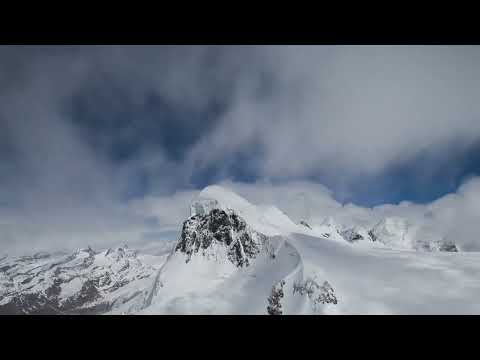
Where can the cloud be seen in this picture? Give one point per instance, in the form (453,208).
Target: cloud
(352,110)
(295,111)
(83,129)
(453,216)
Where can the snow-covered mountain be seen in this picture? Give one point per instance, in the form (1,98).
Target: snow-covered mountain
(84,282)
(397,232)
(234,257)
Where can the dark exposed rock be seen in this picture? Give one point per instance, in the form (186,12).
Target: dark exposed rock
(448,246)
(26,281)
(54,290)
(318,294)
(352,235)
(357,237)
(6,268)
(33,304)
(274,300)
(442,245)
(221,227)
(305,224)
(38,304)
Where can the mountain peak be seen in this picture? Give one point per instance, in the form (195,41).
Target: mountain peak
(267,220)
(203,233)
(224,197)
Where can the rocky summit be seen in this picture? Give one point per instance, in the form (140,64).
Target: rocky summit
(220,228)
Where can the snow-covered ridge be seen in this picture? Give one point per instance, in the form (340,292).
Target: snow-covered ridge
(83,282)
(234,257)
(390,232)
(397,232)
(268,220)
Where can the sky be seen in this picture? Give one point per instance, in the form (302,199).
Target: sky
(92,138)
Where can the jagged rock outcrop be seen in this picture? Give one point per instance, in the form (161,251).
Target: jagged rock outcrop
(316,293)
(274,300)
(439,245)
(202,233)
(356,234)
(304,223)
(448,246)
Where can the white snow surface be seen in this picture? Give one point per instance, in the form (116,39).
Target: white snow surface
(388,276)
(367,277)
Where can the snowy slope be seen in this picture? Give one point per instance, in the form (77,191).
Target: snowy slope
(209,281)
(371,279)
(234,257)
(378,280)
(265,219)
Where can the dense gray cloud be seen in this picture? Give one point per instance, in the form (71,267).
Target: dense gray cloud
(354,109)
(68,114)
(339,109)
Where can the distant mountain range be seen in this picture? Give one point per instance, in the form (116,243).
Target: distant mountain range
(233,257)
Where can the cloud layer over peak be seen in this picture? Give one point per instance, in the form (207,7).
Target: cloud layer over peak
(85,129)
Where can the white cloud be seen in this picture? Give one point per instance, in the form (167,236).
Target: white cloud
(338,110)
(454,215)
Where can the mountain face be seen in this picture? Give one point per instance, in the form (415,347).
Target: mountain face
(229,258)
(201,233)
(234,257)
(393,231)
(304,223)
(84,282)
(396,232)
(356,234)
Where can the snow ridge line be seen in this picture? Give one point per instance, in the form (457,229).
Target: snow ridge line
(156,281)
(294,276)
